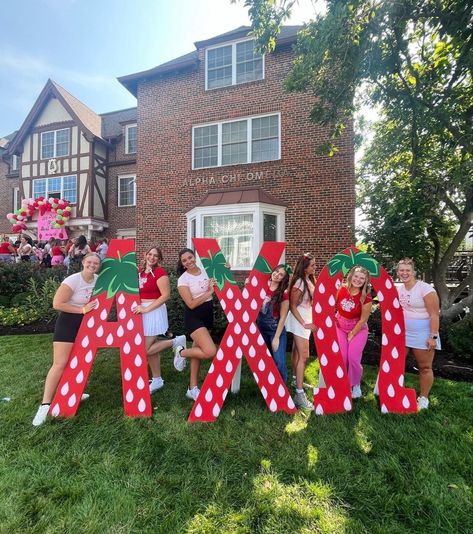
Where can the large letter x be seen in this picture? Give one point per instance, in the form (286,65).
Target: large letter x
(242,336)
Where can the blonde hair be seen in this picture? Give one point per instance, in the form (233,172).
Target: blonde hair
(407,261)
(366,286)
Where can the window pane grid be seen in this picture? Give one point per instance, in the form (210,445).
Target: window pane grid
(131,135)
(127,191)
(234,234)
(58,187)
(233,142)
(55,143)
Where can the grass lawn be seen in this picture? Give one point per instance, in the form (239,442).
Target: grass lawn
(250,472)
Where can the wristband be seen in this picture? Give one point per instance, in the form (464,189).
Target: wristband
(83,310)
(433,336)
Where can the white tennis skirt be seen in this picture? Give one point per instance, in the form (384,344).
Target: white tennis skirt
(417,333)
(294,326)
(155,323)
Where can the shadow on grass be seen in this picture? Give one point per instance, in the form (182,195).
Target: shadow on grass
(251,471)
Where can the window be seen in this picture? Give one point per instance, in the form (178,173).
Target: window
(127,190)
(16,198)
(239,229)
(14,162)
(233,64)
(130,138)
(249,140)
(58,187)
(55,144)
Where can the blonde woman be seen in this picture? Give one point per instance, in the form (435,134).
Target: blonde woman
(420,304)
(353,307)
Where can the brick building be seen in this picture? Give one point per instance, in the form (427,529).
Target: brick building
(218,149)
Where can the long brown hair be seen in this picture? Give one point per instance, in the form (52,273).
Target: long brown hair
(277,297)
(160,257)
(299,274)
(366,286)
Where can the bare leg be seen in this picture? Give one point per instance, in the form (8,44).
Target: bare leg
(424,359)
(153,348)
(203,347)
(194,372)
(302,346)
(61,353)
(294,358)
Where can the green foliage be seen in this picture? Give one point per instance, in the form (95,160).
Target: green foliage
(14,277)
(18,316)
(216,267)
(344,262)
(19,299)
(41,297)
(460,337)
(118,275)
(250,472)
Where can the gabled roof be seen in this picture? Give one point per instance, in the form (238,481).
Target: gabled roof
(89,120)
(287,35)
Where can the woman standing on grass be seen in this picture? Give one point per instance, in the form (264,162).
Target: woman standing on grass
(299,322)
(155,290)
(420,304)
(72,300)
(353,306)
(272,317)
(196,290)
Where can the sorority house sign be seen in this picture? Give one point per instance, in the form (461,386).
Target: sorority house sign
(236,178)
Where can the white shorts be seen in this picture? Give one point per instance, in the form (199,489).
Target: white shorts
(417,333)
(295,327)
(155,323)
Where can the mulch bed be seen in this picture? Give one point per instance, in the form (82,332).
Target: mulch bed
(446,364)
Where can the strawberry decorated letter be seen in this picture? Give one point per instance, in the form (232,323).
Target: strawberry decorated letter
(117,280)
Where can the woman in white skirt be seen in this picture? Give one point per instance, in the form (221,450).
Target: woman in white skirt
(420,304)
(155,290)
(299,322)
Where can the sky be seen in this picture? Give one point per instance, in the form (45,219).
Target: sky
(84,45)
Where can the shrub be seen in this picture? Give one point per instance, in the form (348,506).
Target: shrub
(14,277)
(40,298)
(18,316)
(460,337)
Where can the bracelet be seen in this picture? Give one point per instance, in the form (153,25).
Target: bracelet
(83,310)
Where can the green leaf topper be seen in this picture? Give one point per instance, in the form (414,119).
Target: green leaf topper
(344,262)
(215,266)
(118,275)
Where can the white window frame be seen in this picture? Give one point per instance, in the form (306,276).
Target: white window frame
(127,127)
(16,199)
(248,140)
(46,194)
(55,143)
(122,177)
(15,160)
(233,44)
(257,209)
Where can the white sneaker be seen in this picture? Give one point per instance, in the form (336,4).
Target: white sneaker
(193,393)
(179,340)
(155,384)
(356,392)
(302,402)
(84,397)
(41,414)
(422,403)
(179,361)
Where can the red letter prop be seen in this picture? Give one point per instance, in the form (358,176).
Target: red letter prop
(242,336)
(117,280)
(336,396)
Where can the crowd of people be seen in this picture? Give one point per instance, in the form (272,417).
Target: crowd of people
(51,253)
(287,307)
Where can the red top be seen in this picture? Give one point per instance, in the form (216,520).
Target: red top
(56,251)
(349,306)
(267,300)
(4,248)
(93,247)
(148,286)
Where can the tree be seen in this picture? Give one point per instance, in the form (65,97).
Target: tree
(413,59)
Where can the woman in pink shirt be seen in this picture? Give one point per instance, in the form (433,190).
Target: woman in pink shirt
(420,305)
